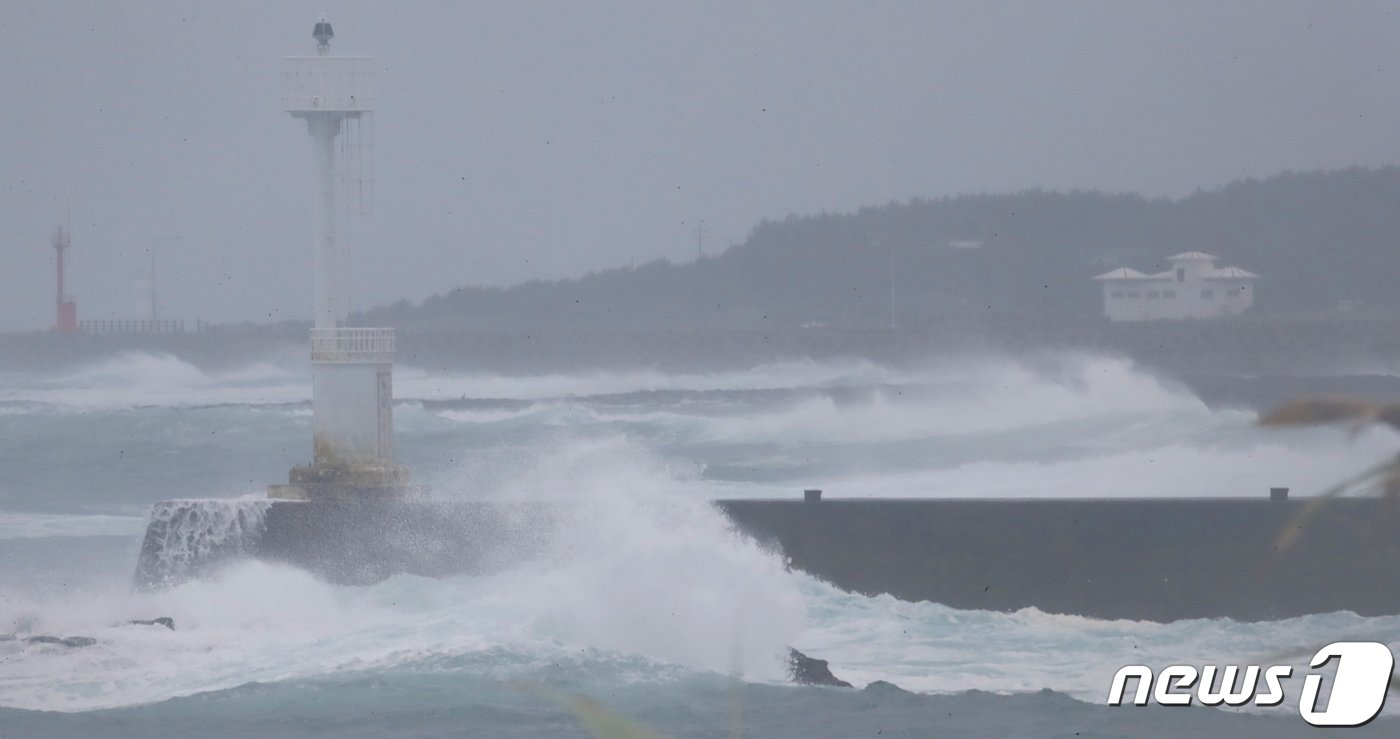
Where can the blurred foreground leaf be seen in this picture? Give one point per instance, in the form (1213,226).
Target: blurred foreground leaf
(1317,411)
(595,717)
(1383,478)
(1303,653)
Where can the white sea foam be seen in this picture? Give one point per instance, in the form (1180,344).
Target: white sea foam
(416,383)
(135,379)
(1174,470)
(641,566)
(1081,427)
(18,525)
(636,570)
(985,397)
(643,572)
(932,648)
(266,623)
(184,536)
(972,397)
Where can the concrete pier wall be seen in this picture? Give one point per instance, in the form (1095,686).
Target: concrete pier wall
(1159,560)
(363,541)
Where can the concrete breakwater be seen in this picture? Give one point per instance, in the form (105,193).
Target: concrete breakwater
(1150,559)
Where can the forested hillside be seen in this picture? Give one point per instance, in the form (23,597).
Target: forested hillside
(1316,238)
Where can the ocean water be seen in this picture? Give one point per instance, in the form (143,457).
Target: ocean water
(652,606)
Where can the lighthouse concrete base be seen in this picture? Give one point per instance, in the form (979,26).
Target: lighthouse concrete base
(368,479)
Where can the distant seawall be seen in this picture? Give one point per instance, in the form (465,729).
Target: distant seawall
(1159,560)
(1249,345)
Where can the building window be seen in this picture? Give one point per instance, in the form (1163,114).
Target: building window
(1180,274)
(1116,294)
(1134,293)
(1208,294)
(1153,294)
(1168,293)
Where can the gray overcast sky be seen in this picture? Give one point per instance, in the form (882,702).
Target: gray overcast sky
(521,139)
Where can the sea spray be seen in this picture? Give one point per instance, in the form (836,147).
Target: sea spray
(631,579)
(136,379)
(266,636)
(638,564)
(416,383)
(186,538)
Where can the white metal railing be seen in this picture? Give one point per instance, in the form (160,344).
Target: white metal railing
(352,345)
(132,326)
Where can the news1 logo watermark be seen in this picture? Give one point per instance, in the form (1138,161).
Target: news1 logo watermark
(1358,689)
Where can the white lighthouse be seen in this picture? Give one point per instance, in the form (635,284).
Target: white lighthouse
(352,385)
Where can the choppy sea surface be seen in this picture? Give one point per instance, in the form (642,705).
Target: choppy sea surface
(655,609)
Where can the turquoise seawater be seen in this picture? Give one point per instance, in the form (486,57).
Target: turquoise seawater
(654,608)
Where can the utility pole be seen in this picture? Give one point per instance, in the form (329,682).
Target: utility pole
(700,232)
(891,285)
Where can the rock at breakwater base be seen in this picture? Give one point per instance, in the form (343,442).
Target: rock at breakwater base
(165,621)
(62,641)
(805,670)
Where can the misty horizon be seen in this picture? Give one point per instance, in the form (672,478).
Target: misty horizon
(494,165)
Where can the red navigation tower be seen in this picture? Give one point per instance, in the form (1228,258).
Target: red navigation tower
(67,309)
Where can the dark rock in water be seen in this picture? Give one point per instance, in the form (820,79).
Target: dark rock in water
(66,641)
(165,621)
(805,670)
(880,686)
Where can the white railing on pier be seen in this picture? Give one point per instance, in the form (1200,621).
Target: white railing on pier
(352,345)
(132,326)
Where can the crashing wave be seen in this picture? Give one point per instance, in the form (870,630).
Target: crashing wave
(186,538)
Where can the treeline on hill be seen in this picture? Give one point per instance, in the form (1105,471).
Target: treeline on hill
(1318,239)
